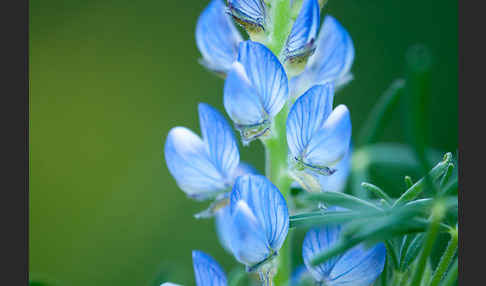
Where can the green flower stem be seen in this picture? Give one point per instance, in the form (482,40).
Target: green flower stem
(276,170)
(438,211)
(451,277)
(446,259)
(276,147)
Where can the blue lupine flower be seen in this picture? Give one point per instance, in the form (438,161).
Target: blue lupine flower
(337,181)
(251,14)
(207,271)
(318,136)
(300,42)
(217,37)
(331,61)
(359,266)
(255,90)
(258,220)
(169,284)
(203,168)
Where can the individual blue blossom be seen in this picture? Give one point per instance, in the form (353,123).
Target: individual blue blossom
(359,266)
(255,90)
(300,43)
(258,220)
(217,37)
(251,14)
(203,168)
(318,136)
(207,271)
(331,61)
(337,181)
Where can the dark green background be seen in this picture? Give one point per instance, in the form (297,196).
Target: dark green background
(108,81)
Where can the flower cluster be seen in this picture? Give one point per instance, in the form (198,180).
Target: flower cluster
(268,83)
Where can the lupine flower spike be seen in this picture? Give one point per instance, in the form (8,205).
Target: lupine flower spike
(257,223)
(251,15)
(359,266)
(318,136)
(255,90)
(300,43)
(331,61)
(217,38)
(203,168)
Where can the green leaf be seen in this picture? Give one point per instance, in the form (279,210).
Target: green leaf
(377,191)
(340,199)
(410,248)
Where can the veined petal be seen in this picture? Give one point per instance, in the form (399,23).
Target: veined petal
(220,141)
(307,116)
(250,14)
(241,99)
(316,241)
(337,181)
(267,204)
(331,143)
(266,74)
(332,59)
(359,266)
(247,236)
(206,270)
(217,37)
(300,41)
(188,162)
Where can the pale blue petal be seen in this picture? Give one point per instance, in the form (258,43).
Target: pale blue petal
(332,59)
(337,181)
(331,143)
(188,162)
(307,116)
(207,271)
(304,29)
(267,204)
(265,74)
(316,241)
(247,237)
(223,227)
(359,266)
(220,141)
(217,37)
(249,11)
(169,284)
(241,100)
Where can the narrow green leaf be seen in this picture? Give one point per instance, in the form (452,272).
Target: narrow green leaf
(410,249)
(377,191)
(408,182)
(446,259)
(451,277)
(340,199)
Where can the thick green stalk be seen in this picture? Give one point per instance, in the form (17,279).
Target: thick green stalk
(446,259)
(276,147)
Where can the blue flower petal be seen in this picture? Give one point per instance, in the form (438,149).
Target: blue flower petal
(245,169)
(331,142)
(203,168)
(316,241)
(249,13)
(360,266)
(217,37)
(169,284)
(304,30)
(307,116)
(337,181)
(247,238)
(266,74)
(218,135)
(331,61)
(206,270)
(223,227)
(189,164)
(241,100)
(255,90)
(267,204)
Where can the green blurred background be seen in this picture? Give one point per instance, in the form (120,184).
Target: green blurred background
(110,78)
